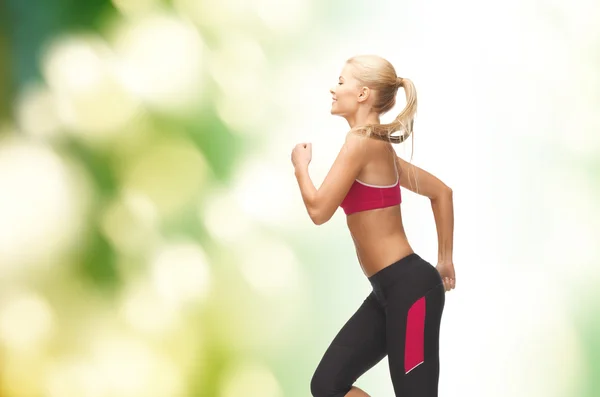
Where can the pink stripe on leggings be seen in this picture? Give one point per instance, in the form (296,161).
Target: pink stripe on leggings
(415,336)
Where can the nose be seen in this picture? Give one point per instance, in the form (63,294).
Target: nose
(332,91)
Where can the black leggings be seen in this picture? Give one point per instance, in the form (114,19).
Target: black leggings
(401,319)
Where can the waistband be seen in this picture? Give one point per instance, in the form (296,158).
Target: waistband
(387,276)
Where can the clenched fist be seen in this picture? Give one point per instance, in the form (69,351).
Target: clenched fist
(302,154)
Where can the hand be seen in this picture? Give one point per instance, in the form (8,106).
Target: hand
(446,271)
(302,154)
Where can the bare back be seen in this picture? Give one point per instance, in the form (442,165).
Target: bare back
(378,234)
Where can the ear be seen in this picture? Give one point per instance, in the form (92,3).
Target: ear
(364,94)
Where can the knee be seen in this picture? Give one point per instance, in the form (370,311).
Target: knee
(318,385)
(322,385)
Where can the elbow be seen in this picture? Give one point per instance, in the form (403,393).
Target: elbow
(318,217)
(448,192)
(318,222)
(314,215)
(444,193)
(317,212)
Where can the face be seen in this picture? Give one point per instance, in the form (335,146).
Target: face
(345,94)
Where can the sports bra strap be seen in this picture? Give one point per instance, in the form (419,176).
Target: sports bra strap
(396,168)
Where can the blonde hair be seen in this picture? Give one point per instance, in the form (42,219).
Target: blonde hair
(379,75)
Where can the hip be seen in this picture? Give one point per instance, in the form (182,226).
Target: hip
(407,278)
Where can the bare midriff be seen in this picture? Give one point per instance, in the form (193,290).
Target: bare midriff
(379,238)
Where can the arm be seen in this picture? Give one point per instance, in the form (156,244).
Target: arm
(322,203)
(421,182)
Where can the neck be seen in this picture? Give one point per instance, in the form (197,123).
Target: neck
(362,118)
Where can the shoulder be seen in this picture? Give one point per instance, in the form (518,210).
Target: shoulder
(354,151)
(356,144)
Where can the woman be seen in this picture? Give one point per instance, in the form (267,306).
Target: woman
(401,317)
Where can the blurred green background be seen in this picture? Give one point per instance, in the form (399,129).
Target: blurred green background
(153,241)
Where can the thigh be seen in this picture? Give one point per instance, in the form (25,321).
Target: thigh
(413,330)
(357,347)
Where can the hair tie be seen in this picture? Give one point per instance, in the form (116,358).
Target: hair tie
(400,82)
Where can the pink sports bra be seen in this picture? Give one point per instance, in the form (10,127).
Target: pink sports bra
(363,197)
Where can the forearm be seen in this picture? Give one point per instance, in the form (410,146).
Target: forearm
(443,213)
(307,189)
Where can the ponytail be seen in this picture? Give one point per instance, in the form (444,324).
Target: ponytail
(403,122)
